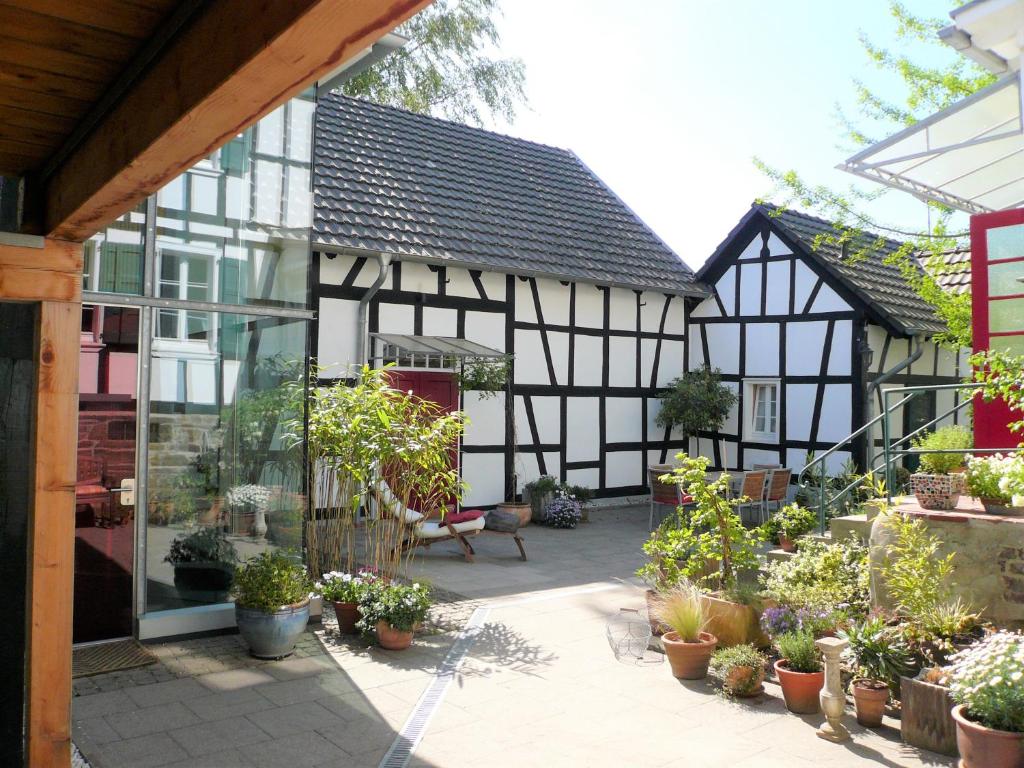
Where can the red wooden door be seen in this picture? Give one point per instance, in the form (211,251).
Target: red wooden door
(997,302)
(439,387)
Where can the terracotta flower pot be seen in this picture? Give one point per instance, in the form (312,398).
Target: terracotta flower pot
(744,682)
(999,507)
(689,661)
(392,639)
(938,491)
(348,614)
(982,747)
(787,544)
(524,511)
(869,700)
(800,689)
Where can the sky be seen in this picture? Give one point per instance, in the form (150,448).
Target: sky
(668,101)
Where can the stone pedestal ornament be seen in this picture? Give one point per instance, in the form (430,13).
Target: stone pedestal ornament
(832,697)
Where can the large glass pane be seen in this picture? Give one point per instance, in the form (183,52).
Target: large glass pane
(1006,315)
(249,204)
(1005,242)
(224,481)
(1006,279)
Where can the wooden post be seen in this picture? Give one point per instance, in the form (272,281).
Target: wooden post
(49,272)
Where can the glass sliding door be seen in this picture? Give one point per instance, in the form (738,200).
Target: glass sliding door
(225,455)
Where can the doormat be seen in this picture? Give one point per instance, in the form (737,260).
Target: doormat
(109,657)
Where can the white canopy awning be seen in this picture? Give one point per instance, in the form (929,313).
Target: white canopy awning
(969,156)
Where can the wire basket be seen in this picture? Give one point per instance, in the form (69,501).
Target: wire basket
(629,634)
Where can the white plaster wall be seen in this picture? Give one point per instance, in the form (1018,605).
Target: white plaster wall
(624,417)
(723,346)
(587,357)
(622,361)
(589,306)
(671,363)
(777,301)
(623,309)
(439,321)
(842,343)
(804,282)
(485,474)
(546,414)
(750,289)
(624,468)
(726,287)
(707,308)
(530,364)
(776,247)
(805,343)
(486,418)
(752,249)
(799,410)
(339,319)
(554,301)
(675,321)
(828,300)
(836,412)
(487,328)
(395,318)
(582,425)
(762,349)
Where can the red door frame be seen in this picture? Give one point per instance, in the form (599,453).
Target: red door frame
(990,419)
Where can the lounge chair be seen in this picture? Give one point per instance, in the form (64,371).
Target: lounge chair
(422,531)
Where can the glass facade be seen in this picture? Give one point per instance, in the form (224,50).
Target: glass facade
(223,291)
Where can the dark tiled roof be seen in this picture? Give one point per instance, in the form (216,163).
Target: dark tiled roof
(879,285)
(394,181)
(951,269)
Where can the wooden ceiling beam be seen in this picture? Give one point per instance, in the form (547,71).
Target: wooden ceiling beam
(231,66)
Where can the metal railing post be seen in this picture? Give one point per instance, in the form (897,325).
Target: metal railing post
(885,446)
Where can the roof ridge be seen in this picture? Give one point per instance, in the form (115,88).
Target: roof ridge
(337,95)
(769,206)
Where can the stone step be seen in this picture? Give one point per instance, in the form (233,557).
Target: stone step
(858,526)
(777,555)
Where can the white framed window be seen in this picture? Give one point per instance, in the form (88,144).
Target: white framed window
(184,275)
(761,406)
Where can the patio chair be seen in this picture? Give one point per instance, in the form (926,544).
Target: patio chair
(752,487)
(664,493)
(777,489)
(423,531)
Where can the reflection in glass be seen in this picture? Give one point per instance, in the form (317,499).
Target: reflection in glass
(1005,242)
(113,258)
(1006,315)
(223,485)
(1006,279)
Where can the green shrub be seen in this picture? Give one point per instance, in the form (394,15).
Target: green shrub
(822,577)
(725,660)
(791,521)
(915,576)
(205,545)
(946,438)
(695,402)
(270,581)
(878,652)
(799,651)
(400,605)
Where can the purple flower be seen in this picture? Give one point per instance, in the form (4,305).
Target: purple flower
(779,620)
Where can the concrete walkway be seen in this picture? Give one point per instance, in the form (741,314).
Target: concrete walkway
(539,685)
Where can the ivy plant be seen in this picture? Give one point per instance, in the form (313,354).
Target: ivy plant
(695,402)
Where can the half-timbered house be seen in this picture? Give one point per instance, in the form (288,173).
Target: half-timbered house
(429,232)
(809,333)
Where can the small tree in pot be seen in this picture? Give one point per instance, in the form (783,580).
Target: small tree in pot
(937,484)
(696,401)
(271,603)
(687,646)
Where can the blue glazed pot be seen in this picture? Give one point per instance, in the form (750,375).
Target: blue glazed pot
(272,635)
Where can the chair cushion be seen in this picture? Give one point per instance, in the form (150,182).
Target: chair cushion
(687,499)
(435,530)
(395,506)
(464,516)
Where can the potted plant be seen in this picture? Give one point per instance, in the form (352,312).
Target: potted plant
(204,565)
(248,504)
(878,657)
(937,484)
(740,668)
(800,673)
(788,524)
(687,646)
(584,496)
(987,682)
(393,611)
(344,591)
(990,480)
(538,494)
(926,711)
(563,511)
(714,549)
(272,594)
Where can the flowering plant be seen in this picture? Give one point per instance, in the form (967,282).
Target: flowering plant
(1011,484)
(341,587)
(564,511)
(402,606)
(784,620)
(256,495)
(985,474)
(988,679)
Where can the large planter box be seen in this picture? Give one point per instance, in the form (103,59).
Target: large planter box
(733,623)
(925,719)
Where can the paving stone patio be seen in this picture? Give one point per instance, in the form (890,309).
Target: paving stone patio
(539,686)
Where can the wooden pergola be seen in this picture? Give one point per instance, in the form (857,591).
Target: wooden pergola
(101,104)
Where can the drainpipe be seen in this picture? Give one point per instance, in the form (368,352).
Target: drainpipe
(363,342)
(912,358)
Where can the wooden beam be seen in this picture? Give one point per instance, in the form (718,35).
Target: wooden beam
(50,270)
(231,66)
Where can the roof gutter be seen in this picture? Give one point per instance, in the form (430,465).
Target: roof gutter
(363,342)
(962,42)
